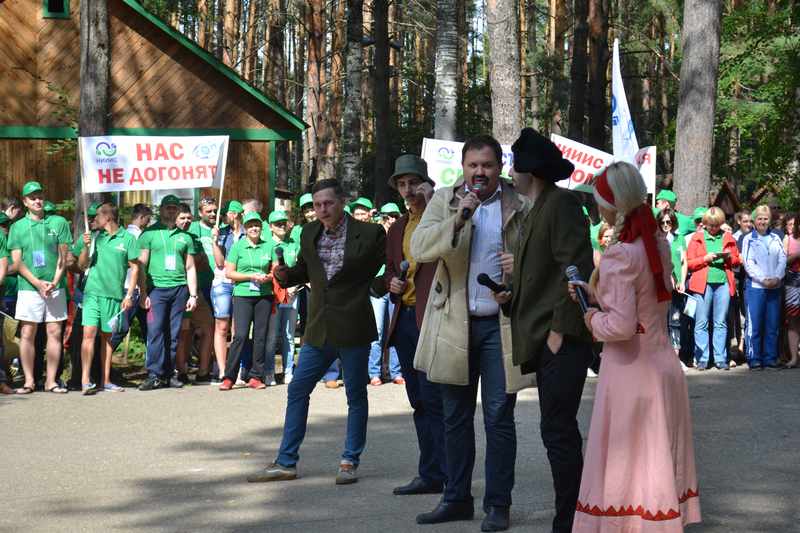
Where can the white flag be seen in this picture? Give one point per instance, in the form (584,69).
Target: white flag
(625,144)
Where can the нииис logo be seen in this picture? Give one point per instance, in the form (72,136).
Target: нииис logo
(105,149)
(206,151)
(446,153)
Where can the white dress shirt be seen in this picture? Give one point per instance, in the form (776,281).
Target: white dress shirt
(484,257)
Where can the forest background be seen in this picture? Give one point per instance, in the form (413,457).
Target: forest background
(372,78)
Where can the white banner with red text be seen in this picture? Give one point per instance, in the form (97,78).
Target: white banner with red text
(140,163)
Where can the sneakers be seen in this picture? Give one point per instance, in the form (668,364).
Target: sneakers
(88,389)
(269,381)
(175,382)
(227,384)
(590,373)
(183,378)
(273,472)
(375,382)
(151,383)
(347,474)
(111,387)
(256,384)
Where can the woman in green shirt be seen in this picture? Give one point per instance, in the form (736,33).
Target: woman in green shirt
(248,266)
(668,223)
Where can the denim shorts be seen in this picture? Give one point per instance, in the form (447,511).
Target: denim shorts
(221,300)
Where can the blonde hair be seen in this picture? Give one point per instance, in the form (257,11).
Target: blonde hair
(762,210)
(629,191)
(714,216)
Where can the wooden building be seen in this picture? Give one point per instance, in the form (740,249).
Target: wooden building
(160,83)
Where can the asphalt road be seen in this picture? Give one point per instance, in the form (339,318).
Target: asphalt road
(176,460)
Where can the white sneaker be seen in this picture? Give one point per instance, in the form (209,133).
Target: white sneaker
(287,378)
(684,368)
(590,373)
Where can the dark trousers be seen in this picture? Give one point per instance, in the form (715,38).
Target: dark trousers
(458,403)
(560,380)
(255,310)
(163,329)
(134,312)
(425,399)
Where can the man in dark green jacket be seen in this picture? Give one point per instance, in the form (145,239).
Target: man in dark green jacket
(340,257)
(549,336)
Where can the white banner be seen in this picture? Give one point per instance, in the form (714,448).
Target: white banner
(444,162)
(624,136)
(132,163)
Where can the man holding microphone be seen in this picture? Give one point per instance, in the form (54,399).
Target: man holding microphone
(467,229)
(409,290)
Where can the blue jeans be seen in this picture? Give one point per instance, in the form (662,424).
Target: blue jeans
(458,403)
(425,399)
(763,323)
(281,336)
(382,307)
(712,305)
(311,366)
(163,329)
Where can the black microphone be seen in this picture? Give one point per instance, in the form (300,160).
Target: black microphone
(466,213)
(403,269)
(279,256)
(489,283)
(573,274)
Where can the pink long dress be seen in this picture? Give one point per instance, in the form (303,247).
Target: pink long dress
(639,471)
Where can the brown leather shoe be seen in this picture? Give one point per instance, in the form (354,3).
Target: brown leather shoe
(332,384)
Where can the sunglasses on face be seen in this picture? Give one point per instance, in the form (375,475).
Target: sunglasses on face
(666,222)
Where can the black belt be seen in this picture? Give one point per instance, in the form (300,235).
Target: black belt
(481,318)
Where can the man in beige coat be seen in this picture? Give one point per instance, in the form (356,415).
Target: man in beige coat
(469,229)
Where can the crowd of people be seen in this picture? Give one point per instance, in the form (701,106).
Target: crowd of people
(201,291)
(378,295)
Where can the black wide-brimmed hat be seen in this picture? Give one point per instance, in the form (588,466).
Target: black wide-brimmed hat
(536,154)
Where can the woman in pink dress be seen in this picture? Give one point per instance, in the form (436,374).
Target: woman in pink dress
(639,470)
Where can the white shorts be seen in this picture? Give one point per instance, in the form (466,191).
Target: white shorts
(31,307)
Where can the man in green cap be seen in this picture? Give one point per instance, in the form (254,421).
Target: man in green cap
(39,247)
(169,279)
(389,214)
(361,209)
(284,320)
(666,199)
(106,259)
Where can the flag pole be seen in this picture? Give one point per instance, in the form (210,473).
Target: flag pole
(83,187)
(222,168)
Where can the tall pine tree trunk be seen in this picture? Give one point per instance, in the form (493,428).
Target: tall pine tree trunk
(694,136)
(351,124)
(275,78)
(299,59)
(202,23)
(532,79)
(578,70)
(229,25)
(93,114)
(383,128)
(250,54)
(598,61)
(502,21)
(446,87)
(315,96)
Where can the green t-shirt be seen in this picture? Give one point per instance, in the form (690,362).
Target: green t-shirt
(109,264)
(39,241)
(297,230)
(202,236)
(251,258)
(291,251)
(168,250)
(716,270)
(677,247)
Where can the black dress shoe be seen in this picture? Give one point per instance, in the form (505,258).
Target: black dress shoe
(448,512)
(418,486)
(497,519)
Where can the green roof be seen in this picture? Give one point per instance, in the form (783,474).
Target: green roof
(218,65)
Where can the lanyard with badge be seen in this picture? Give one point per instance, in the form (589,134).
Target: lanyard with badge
(38,255)
(170,259)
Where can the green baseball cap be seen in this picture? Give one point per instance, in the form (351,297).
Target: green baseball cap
(348,209)
(250,216)
(698,213)
(667,195)
(235,206)
(49,207)
(305,200)
(365,203)
(4,218)
(169,199)
(277,216)
(92,211)
(31,187)
(390,209)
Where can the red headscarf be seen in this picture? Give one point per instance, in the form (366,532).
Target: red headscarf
(639,223)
